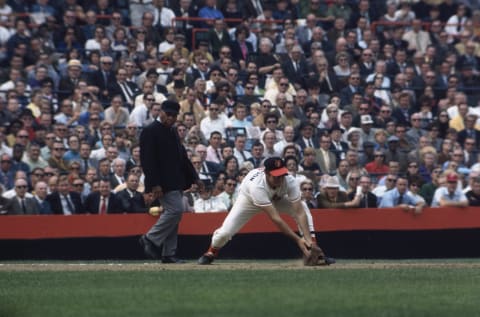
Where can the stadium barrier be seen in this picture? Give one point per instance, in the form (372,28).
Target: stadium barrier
(124,225)
(354,233)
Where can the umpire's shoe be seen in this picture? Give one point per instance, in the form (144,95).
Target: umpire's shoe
(149,248)
(207,258)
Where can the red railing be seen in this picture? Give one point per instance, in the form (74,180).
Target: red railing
(81,226)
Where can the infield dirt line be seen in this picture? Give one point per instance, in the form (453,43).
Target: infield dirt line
(230,265)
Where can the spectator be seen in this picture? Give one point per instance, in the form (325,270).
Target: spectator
(118,176)
(334,198)
(400,197)
(116,113)
(41,192)
(62,200)
(414,184)
(230,166)
(20,204)
(207,202)
(130,199)
(214,121)
(378,167)
(104,201)
(428,188)
(473,195)
(214,150)
(257,154)
(308,193)
(229,195)
(450,195)
(367,198)
(32,158)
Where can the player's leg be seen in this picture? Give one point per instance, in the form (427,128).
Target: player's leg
(241,212)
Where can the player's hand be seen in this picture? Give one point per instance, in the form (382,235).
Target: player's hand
(304,246)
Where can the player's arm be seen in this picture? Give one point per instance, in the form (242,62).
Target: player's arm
(302,221)
(285,228)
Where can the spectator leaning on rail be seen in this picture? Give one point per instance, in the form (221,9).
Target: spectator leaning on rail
(400,197)
(450,195)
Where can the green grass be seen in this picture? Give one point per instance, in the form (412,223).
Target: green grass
(292,293)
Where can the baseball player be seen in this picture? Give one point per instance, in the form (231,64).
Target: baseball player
(271,190)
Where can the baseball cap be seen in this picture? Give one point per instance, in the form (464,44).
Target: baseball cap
(393,139)
(366,119)
(275,166)
(170,106)
(452,177)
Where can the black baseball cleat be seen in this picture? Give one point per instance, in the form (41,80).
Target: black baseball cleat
(329,260)
(149,248)
(172,260)
(206,259)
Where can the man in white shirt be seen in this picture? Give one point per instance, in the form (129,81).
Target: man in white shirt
(450,195)
(141,113)
(271,190)
(214,121)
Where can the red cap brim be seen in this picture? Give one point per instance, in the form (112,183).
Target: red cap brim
(279,172)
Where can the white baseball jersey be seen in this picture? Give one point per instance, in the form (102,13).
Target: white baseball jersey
(257,190)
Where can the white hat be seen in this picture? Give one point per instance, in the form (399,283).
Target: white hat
(332,182)
(353,130)
(366,119)
(74,63)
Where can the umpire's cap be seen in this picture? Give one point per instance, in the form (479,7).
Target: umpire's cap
(275,166)
(170,106)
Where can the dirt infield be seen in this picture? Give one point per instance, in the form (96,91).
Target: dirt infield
(231,265)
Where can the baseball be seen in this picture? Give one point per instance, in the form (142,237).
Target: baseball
(155,211)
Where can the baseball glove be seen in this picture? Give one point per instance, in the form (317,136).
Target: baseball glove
(315,258)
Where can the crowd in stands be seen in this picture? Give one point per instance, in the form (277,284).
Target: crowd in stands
(370,103)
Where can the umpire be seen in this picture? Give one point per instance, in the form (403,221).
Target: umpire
(168,172)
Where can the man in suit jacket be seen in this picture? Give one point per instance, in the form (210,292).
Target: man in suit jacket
(127,89)
(63,201)
(218,36)
(307,137)
(103,201)
(85,161)
(68,83)
(103,78)
(208,170)
(326,159)
(353,86)
(168,172)
(118,175)
(40,195)
(131,201)
(368,199)
(402,113)
(469,131)
(337,146)
(295,67)
(20,204)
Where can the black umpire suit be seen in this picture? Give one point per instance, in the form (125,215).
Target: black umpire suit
(168,172)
